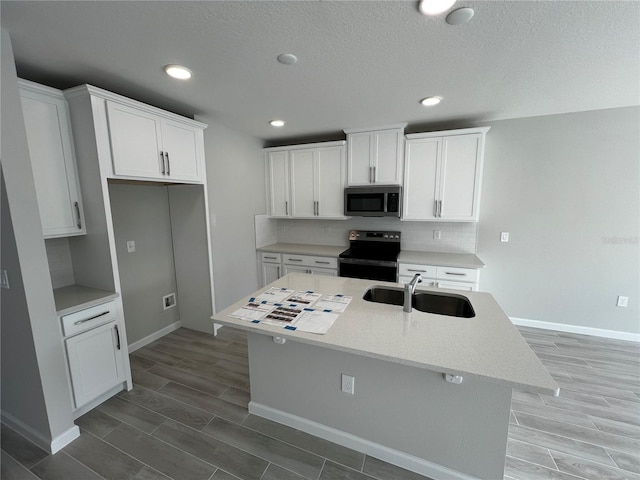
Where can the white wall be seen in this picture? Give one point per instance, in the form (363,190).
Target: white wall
(566,187)
(235,176)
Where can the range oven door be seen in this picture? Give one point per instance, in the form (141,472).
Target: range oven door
(368,269)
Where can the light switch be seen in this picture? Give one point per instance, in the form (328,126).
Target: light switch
(131,246)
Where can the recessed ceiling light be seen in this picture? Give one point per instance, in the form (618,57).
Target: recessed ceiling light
(287,58)
(430,101)
(435,7)
(178,71)
(277,123)
(460,16)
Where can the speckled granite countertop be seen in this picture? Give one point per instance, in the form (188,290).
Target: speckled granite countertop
(74,298)
(487,346)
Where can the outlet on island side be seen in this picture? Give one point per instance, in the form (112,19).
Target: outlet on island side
(348,384)
(622,301)
(169,301)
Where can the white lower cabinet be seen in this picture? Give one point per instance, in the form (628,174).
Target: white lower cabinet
(94,352)
(276,265)
(455,278)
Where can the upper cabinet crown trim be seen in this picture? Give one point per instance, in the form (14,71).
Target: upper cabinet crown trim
(338,143)
(447,133)
(107,95)
(395,126)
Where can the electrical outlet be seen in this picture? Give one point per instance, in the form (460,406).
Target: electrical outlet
(169,301)
(504,237)
(131,246)
(348,383)
(622,301)
(437,234)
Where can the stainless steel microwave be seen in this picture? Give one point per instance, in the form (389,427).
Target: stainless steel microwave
(373,201)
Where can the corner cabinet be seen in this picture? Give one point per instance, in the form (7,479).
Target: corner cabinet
(306,181)
(51,149)
(442,175)
(375,157)
(147,143)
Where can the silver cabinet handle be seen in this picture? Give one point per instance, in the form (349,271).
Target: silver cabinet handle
(162,162)
(374,174)
(294,259)
(435,208)
(440,209)
(117,337)
(415,270)
(370,174)
(80,322)
(321,263)
(79,224)
(166,155)
(271,258)
(456,273)
(286,208)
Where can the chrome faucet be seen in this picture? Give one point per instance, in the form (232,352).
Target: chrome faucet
(409,289)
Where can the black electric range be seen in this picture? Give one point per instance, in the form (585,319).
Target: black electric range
(372,255)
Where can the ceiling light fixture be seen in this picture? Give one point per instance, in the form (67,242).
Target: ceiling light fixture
(430,101)
(287,58)
(277,123)
(460,16)
(435,7)
(178,71)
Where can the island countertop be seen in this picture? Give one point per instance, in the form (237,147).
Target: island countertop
(487,346)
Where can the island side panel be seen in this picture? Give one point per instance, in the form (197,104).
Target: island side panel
(412,410)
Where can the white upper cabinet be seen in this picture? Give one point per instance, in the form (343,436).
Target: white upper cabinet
(51,149)
(306,181)
(442,175)
(147,145)
(375,156)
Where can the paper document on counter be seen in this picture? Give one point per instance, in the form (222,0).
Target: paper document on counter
(336,303)
(315,321)
(274,295)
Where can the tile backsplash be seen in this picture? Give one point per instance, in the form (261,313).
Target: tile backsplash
(454,237)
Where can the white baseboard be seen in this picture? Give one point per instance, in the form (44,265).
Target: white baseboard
(48,445)
(395,457)
(563,327)
(154,336)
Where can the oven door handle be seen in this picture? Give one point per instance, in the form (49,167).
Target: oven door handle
(362,261)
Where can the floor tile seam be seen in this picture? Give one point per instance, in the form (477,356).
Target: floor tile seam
(255,454)
(139,406)
(22,464)
(615,450)
(632,407)
(599,415)
(199,376)
(351,469)
(554,410)
(227,387)
(594,354)
(85,431)
(574,386)
(364,455)
(615,465)
(81,463)
(595,428)
(189,404)
(570,475)
(631,436)
(572,439)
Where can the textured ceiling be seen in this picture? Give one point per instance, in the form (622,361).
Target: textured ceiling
(361,63)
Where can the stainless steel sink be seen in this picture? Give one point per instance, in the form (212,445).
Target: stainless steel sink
(441,303)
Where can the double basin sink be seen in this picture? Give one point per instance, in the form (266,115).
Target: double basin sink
(440,303)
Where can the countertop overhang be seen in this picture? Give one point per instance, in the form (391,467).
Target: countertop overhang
(487,346)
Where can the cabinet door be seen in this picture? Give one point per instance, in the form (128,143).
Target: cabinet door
(330,182)
(136,144)
(95,362)
(180,145)
(51,151)
(360,158)
(460,177)
(388,157)
(295,268)
(328,272)
(278,183)
(421,175)
(270,272)
(468,287)
(302,183)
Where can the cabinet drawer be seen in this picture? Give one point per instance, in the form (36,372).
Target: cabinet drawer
(295,259)
(323,262)
(457,274)
(410,269)
(89,318)
(271,257)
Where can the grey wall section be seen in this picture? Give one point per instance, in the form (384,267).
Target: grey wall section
(141,213)
(235,176)
(462,427)
(29,323)
(566,187)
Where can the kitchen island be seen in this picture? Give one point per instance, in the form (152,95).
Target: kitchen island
(402,409)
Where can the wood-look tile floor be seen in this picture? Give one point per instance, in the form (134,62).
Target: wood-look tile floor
(187,418)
